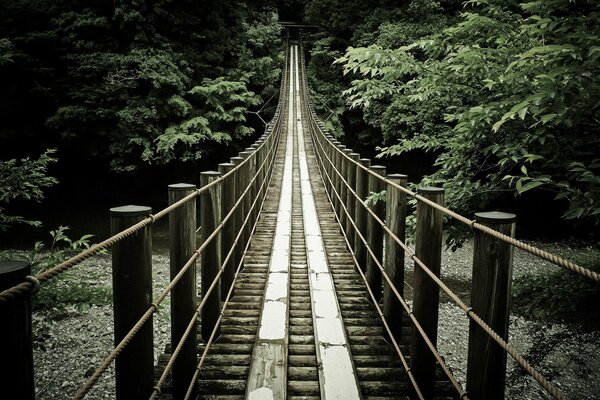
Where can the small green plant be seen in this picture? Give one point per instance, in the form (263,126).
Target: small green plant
(66,289)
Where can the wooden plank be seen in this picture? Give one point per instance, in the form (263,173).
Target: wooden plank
(268,371)
(337,377)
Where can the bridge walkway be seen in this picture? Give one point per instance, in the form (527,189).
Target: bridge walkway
(251,360)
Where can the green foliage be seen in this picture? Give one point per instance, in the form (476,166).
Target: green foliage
(61,291)
(117,79)
(506,97)
(6,51)
(24,179)
(550,296)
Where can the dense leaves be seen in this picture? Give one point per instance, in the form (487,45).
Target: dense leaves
(506,96)
(124,80)
(23,179)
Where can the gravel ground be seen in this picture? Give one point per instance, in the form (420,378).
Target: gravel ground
(76,340)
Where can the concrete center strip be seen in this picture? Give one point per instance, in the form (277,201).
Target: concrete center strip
(267,379)
(337,375)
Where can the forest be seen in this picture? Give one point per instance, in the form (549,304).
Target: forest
(495,100)
(116,93)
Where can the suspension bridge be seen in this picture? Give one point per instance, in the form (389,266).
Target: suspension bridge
(301,292)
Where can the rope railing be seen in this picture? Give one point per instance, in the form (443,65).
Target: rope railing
(261,172)
(215,281)
(32,283)
(224,307)
(405,305)
(28,286)
(553,258)
(549,387)
(156,303)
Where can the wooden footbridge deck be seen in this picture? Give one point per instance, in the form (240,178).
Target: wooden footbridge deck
(301,282)
(300,325)
(318,336)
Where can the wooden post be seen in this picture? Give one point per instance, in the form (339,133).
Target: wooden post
(260,158)
(255,185)
(360,214)
(395,219)
(426,293)
(247,176)
(375,232)
(490,299)
(239,213)
(350,199)
(182,244)
(338,179)
(210,210)
(332,174)
(228,235)
(132,296)
(344,166)
(16,351)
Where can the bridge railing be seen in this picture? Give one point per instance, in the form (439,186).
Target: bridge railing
(375,235)
(230,202)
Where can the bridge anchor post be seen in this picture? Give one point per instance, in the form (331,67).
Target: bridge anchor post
(490,299)
(132,297)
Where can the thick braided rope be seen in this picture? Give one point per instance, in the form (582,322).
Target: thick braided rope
(92,380)
(553,258)
(25,287)
(505,345)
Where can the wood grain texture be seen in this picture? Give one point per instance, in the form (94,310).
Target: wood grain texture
(426,293)
(182,245)
(490,299)
(395,218)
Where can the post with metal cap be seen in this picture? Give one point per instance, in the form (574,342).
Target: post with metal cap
(426,293)
(16,351)
(395,219)
(210,217)
(490,299)
(132,297)
(375,232)
(360,214)
(350,198)
(182,245)
(229,233)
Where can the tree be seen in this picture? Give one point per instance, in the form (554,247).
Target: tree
(506,97)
